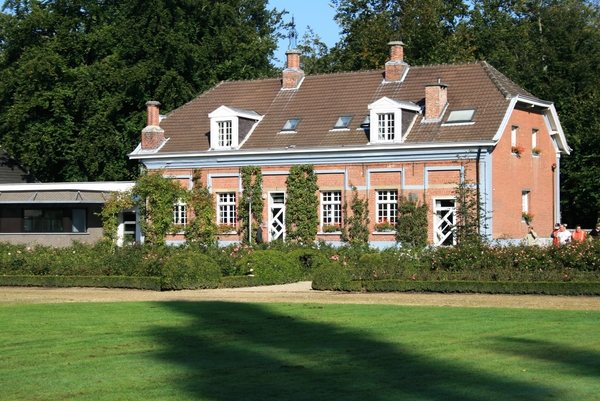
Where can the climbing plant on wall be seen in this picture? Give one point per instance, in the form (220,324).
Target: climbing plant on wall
(356,225)
(302,207)
(201,228)
(252,188)
(118,202)
(411,225)
(155,196)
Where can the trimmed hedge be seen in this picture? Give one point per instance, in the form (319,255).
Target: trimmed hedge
(485,287)
(142,283)
(270,267)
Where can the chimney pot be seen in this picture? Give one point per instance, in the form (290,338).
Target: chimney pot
(436,98)
(395,68)
(152,136)
(292,74)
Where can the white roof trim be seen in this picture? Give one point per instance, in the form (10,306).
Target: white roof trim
(101,186)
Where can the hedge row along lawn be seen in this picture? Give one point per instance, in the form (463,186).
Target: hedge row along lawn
(235,351)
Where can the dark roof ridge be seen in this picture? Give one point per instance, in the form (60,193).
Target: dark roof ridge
(445,64)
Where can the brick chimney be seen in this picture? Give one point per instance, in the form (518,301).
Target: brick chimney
(395,68)
(293,74)
(152,136)
(436,98)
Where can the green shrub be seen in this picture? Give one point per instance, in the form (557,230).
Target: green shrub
(190,270)
(333,276)
(308,259)
(271,267)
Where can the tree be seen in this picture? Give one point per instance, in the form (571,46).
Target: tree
(201,228)
(356,226)
(76,73)
(251,195)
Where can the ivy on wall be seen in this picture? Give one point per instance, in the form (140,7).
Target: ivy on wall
(302,206)
(252,188)
(155,196)
(201,228)
(118,202)
(356,227)
(412,222)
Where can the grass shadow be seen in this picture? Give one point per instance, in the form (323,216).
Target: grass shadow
(233,351)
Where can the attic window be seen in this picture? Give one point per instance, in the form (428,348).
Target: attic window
(343,122)
(460,116)
(366,122)
(291,124)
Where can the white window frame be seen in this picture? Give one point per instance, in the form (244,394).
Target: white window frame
(386,201)
(225,133)
(331,208)
(534,133)
(525,199)
(513,135)
(386,129)
(180,213)
(227,209)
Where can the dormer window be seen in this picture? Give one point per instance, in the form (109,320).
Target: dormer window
(225,133)
(291,124)
(230,127)
(343,122)
(385,127)
(389,115)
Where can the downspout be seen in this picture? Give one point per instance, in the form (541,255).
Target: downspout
(478,191)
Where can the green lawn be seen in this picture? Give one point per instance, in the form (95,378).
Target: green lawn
(230,351)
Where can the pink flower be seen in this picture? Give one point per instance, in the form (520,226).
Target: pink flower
(413,277)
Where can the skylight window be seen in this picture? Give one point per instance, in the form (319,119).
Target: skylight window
(291,124)
(366,122)
(343,122)
(461,116)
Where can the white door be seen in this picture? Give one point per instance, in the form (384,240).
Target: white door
(276,216)
(444,222)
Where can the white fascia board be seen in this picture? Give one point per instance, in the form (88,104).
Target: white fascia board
(267,153)
(504,123)
(225,111)
(101,186)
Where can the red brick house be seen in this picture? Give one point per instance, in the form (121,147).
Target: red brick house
(389,133)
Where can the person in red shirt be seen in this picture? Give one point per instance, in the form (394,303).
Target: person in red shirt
(579,234)
(554,235)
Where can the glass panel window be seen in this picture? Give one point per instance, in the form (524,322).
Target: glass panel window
(387,206)
(291,124)
(386,127)
(79,221)
(331,209)
(227,209)
(42,220)
(129,225)
(513,136)
(225,133)
(534,138)
(180,214)
(461,116)
(343,122)
(525,201)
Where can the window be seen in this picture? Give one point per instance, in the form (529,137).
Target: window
(225,133)
(343,122)
(331,209)
(525,201)
(42,220)
(79,221)
(385,127)
(366,122)
(180,214)
(460,116)
(227,209)
(291,124)
(513,135)
(129,226)
(534,138)
(387,206)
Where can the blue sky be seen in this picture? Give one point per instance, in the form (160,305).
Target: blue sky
(318,14)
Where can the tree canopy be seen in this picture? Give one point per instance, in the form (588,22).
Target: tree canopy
(76,73)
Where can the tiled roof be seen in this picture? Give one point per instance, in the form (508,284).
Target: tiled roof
(322,99)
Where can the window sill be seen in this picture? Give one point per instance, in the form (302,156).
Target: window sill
(383,232)
(228,233)
(329,232)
